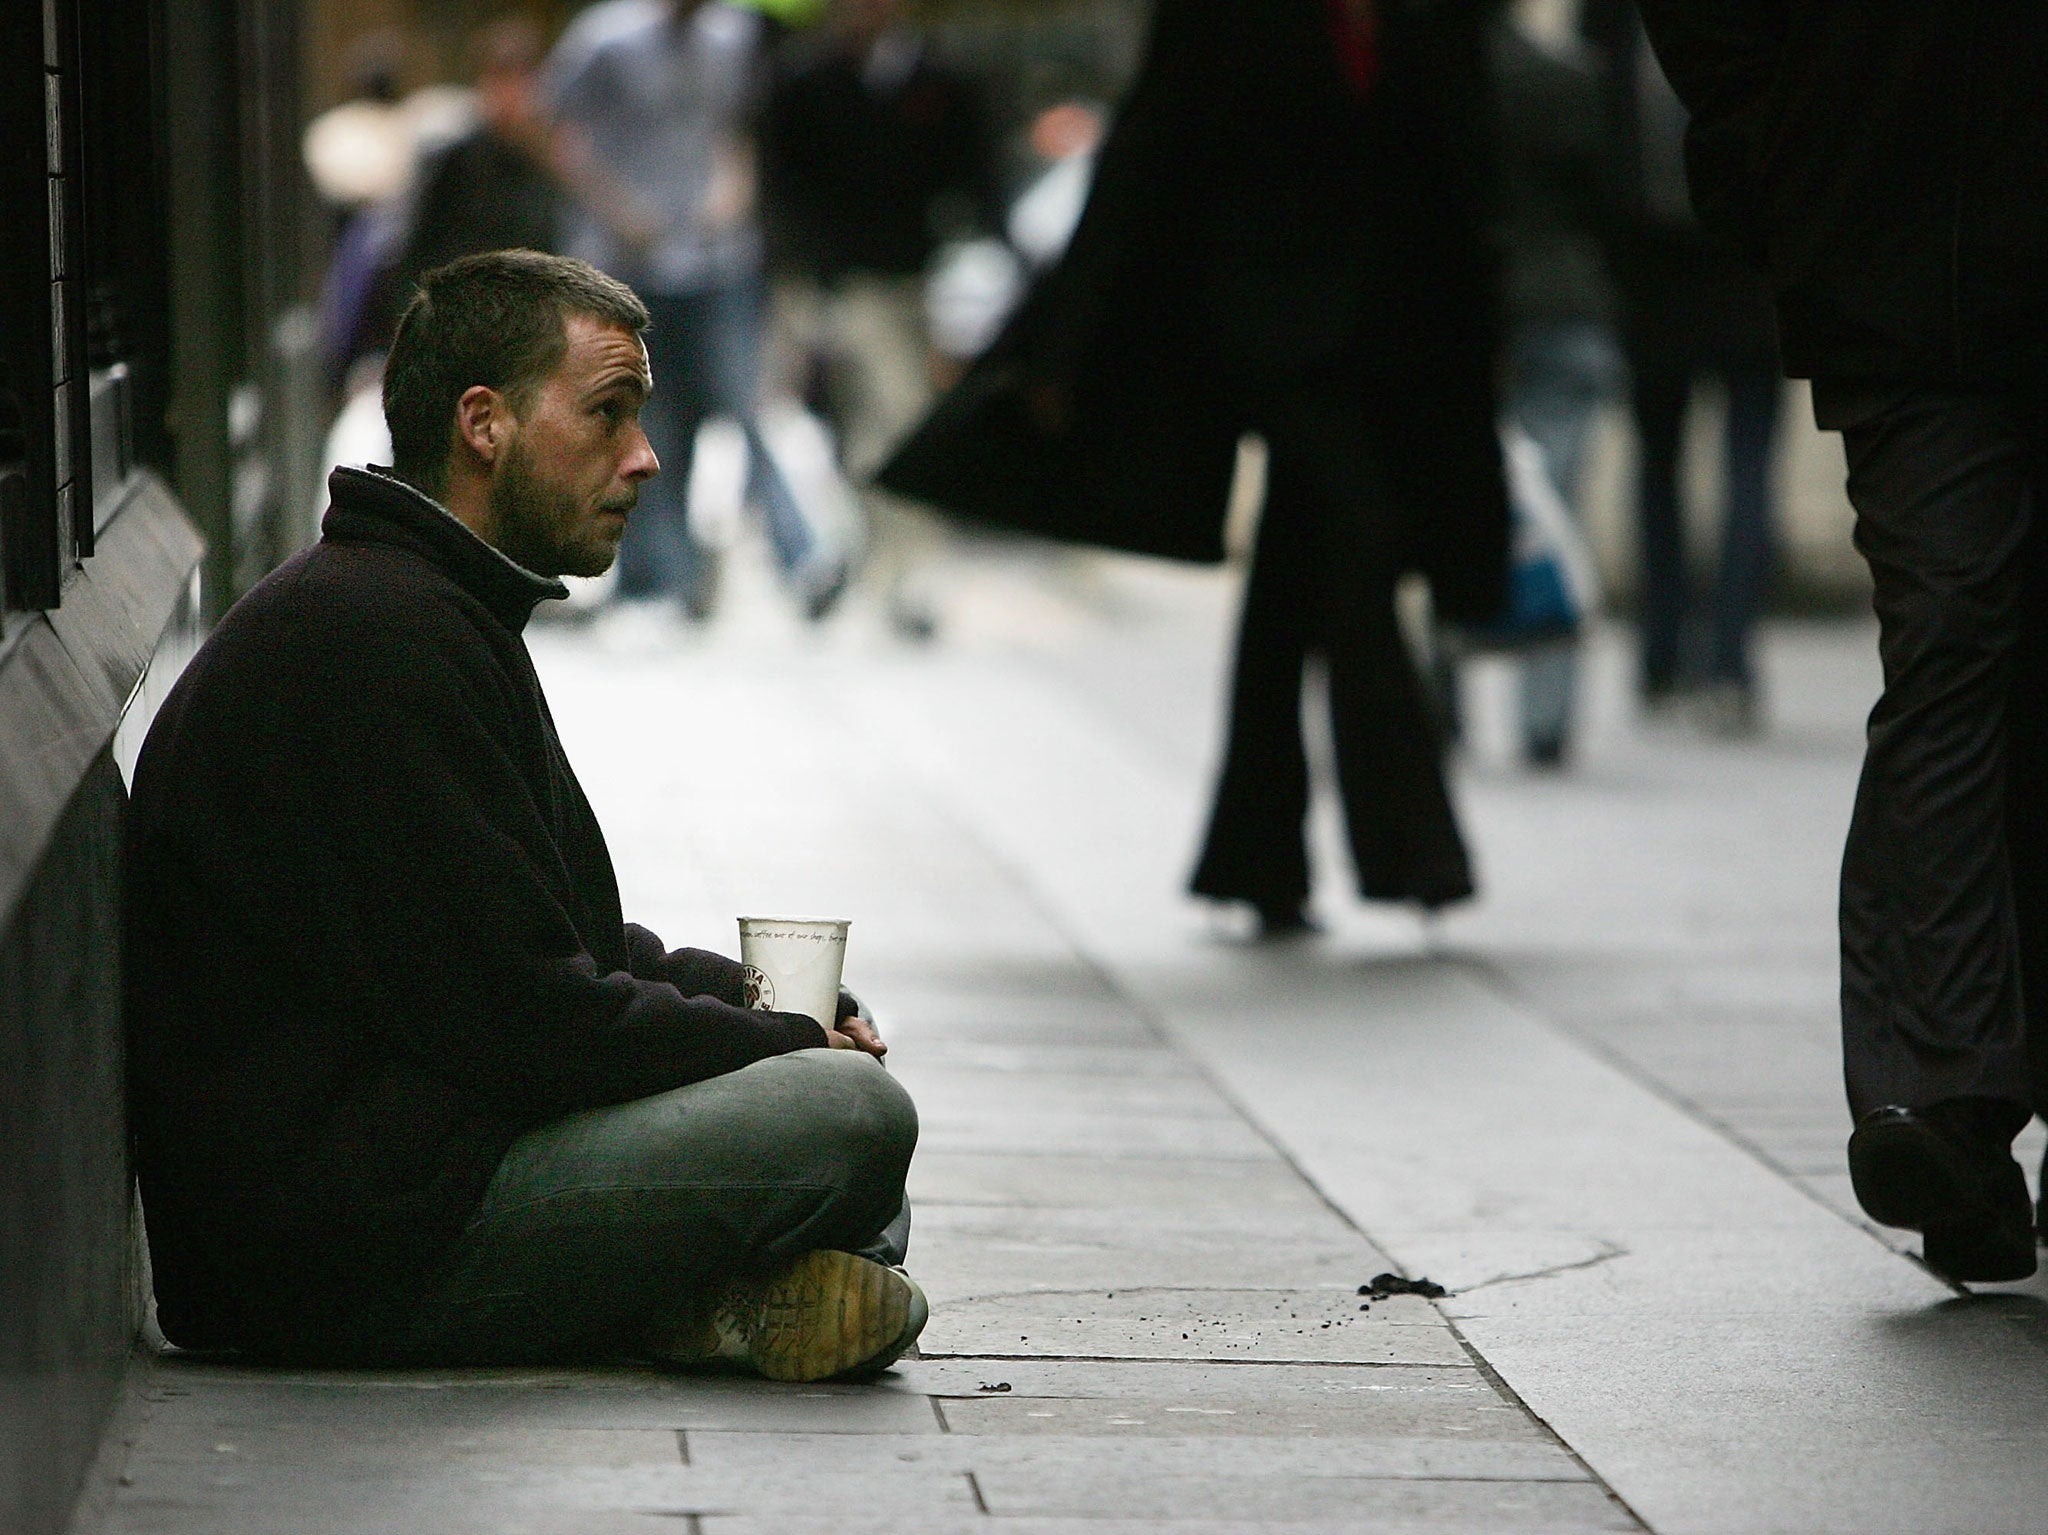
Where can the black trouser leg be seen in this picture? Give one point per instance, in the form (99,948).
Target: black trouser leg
(1397,808)
(1748,532)
(1255,849)
(2026,787)
(1948,815)
(1660,389)
(1320,583)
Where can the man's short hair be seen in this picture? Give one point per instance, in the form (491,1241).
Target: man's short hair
(498,319)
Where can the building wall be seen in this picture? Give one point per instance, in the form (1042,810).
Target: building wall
(71,1297)
(67,1290)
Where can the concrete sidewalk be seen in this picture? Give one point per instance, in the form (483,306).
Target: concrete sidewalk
(1157,1167)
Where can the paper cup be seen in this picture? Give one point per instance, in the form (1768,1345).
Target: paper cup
(793,965)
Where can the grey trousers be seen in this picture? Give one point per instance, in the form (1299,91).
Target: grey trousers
(604,1232)
(1945,878)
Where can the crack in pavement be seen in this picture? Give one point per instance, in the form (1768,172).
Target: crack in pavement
(1611,1251)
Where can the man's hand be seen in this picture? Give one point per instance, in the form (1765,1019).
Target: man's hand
(855,1029)
(857,1034)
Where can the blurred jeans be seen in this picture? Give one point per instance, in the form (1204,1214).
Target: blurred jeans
(858,347)
(1662,389)
(612,1228)
(705,350)
(1560,374)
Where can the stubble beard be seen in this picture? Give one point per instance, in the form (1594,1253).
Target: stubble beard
(535,522)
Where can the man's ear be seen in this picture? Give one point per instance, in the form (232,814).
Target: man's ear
(483,424)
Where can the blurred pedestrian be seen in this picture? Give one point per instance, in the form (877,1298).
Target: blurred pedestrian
(360,156)
(1562,362)
(874,155)
(1283,238)
(654,102)
(1693,312)
(1886,162)
(492,188)
(488,187)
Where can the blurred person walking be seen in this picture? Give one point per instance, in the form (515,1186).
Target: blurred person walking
(1562,363)
(874,155)
(1283,237)
(1693,313)
(360,156)
(491,188)
(1887,163)
(494,188)
(654,102)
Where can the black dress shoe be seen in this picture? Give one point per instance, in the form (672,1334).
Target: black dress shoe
(1947,1172)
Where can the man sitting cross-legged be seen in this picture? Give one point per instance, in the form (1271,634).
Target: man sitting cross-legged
(406,1087)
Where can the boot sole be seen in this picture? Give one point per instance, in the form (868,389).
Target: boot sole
(1980,1254)
(830,1314)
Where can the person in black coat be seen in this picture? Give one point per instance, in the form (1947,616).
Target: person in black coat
(1886,163)
(1283,238)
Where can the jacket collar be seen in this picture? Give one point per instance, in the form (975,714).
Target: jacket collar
(374,506)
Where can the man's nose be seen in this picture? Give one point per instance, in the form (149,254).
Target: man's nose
(640,462)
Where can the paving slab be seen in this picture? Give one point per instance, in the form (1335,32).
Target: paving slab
(1143,1417)
(347,1402)
(1081,1089)
(367,1484)
(1347,1407)
(1373,1420)
(1314,1326)
(1022,1128)
(945,1055)
(371,1510)
(1456,1391)
(1060,1457)
(1368,1501)
(1189,1184)
(976,1250)
(1438,1520)
(949,1023)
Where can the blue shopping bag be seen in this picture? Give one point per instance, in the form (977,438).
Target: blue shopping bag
(1553,591)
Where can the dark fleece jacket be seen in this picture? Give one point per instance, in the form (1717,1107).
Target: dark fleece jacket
(374,936)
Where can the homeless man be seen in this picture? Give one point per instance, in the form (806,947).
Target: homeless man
(406,1087)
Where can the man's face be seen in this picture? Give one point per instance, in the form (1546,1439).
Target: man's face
(563,485)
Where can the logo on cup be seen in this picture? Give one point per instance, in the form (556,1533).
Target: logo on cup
(760,990)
